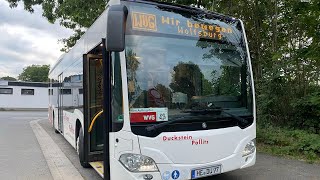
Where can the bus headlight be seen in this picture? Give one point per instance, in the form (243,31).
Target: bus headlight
(138,163)
(250,148)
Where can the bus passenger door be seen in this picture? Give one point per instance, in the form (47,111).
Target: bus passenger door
(94,98)
(60,102)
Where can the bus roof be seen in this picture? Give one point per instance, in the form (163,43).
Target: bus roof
(97,30)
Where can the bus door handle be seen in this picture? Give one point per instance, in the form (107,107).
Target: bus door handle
(94,120)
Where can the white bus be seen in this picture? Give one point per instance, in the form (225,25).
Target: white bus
(157,91)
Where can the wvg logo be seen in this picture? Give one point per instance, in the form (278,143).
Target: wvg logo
(143,21)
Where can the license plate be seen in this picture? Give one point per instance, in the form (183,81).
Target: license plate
(206,171)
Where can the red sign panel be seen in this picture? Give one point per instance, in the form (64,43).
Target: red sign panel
(143,116)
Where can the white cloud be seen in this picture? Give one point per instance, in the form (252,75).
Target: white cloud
(27,39)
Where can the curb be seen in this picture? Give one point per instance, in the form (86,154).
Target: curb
(60,166)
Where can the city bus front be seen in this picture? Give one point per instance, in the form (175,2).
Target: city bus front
(188,96)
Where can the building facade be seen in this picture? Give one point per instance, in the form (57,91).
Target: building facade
(16,95)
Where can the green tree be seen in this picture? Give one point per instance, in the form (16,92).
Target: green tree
(165,93)
(187,78)
(228,83)
(35,73)
(8,78)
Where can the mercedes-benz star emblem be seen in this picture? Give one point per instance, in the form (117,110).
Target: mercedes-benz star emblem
(204,125)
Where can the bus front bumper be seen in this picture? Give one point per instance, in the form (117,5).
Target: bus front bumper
(181,171)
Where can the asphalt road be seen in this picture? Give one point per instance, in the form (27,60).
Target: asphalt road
(20,153)
(21,156)
(273,168)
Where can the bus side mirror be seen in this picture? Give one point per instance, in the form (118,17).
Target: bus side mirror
(116,23)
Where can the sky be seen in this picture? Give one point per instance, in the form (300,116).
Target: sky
(27,39)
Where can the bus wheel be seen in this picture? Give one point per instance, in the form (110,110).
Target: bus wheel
(80,149)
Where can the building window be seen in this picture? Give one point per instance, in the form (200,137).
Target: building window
(50,92)
(80,91)
(65,91)
(27,91)
(6,91)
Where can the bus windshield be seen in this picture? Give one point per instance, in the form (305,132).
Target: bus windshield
(184,66)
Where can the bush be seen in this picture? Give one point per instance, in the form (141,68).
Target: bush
(292,143)
(274,101)
(307,110)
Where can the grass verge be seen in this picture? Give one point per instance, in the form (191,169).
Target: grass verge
(293,144)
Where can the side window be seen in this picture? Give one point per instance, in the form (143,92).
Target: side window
(27,91)
(65,91)
(117,103)
(80,91)
(50,92)
(6,91)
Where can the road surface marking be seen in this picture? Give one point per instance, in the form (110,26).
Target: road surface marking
(59,165)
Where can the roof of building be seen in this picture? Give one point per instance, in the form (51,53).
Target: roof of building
(22,83)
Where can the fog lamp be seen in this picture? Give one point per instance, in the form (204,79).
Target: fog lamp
(147,177)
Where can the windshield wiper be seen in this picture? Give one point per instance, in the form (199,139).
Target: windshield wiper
(189,118)
(174,120)
(216,111)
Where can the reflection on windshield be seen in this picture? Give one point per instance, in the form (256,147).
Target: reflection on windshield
(168,75)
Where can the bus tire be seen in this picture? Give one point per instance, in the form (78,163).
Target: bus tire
(80,149)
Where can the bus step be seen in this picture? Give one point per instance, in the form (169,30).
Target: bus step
(98,166)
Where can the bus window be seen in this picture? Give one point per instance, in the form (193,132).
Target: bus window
(65,91)
(96,102)
(117,108)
